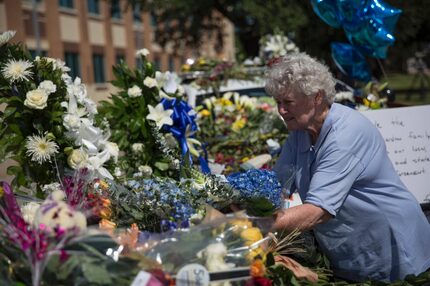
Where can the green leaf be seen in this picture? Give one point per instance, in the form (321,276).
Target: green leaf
(96,273)
(162,166)
(13,170)
(9,111)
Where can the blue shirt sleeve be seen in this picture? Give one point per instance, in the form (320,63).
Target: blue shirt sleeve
(286,159)
(334,175)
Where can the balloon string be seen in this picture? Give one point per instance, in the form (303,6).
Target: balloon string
(382,69)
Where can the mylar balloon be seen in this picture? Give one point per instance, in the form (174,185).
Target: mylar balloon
(327,11)
(382,13)
(351,13)
(350,61)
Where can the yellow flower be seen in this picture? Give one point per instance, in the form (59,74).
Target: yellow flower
(241,224)
(238,124)
(201,61)
(245,159)
(107,225)
(185,67)
(1,191)
(251,235)
(256,253)
(103,185)
(226,102)
(204,113)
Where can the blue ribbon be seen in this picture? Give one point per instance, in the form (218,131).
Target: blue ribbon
(181,121)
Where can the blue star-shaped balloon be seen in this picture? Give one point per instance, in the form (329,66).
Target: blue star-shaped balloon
(350,61)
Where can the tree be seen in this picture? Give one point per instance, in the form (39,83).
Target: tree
(187,21)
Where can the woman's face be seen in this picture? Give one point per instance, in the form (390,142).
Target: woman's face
(297,110)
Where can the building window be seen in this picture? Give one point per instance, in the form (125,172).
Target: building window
(72,61)
(139,63)
(115,9)
(34,54)
(153,20)
(137,13)
(93,7)
(119,58)
(66,3)
(157,63)
(171,63)
(99,68)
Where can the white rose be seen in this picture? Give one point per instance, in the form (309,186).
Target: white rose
(181,90)
(72,122)
(134,91)
(142,52)
(36,99)
(150,82)
(77,159)
(117,172)
(48,86)
(146,170)
(137,147)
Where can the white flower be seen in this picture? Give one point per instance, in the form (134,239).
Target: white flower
(137,147)
(95,165)
(146,170)
(6,36)
(17,70)
(214,255)
(150,82)
(77,159)
(29,212)
(36,99)
(134,91)
(56,64)
(48,86)
(78,90)
(142,52)
(344,95)
(117,172)
(49,188)
(168,81)
(112,148)
(181,90)
(159,115)
(40,148)
(72,122)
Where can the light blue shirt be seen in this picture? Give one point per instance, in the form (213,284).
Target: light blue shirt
(378,230)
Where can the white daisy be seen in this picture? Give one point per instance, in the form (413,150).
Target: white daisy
(40,148)
(16,70)
(6,36)
(159,115)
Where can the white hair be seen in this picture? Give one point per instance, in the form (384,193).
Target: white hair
(302,72)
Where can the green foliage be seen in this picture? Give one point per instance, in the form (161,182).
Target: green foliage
(125,117)
(20,121)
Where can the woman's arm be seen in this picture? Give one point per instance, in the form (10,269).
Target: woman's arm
(302,217)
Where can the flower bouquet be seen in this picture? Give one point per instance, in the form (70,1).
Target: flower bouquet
(152,124)
(48,121)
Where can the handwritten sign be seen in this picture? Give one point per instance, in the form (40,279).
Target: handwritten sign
(406,132)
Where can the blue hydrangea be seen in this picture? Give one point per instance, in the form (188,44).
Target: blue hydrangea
(256,183)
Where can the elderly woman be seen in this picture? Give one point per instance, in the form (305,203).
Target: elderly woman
(364,219)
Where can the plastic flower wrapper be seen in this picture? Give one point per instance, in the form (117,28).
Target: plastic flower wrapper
(220,243)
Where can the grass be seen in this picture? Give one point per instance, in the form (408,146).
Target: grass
(400,83)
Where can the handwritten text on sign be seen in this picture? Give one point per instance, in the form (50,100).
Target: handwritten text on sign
(406,132)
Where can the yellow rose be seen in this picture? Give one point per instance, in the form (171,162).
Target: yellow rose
(251,235)
(36,99)
(241,223)
(204,113)
(256,253)
(257,268)
(238,124)
(77,159)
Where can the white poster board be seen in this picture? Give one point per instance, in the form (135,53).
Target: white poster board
(406,131)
